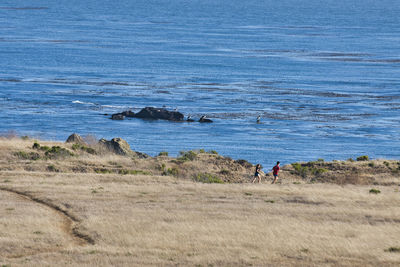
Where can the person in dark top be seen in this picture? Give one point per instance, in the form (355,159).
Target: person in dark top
(275,170)
(257,174)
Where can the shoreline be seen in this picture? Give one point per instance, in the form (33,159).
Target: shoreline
(197,165)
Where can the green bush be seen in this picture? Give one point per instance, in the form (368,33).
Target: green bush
(103,171)
(171,171)
(58,152)
(30,155)
(307,169)
(350,159)
(387,164)
(76,147)
(163,153)
(320,160)
(83,148)
(213,152)
(207,178)
(363,158)
(202,151)
(45,148)
(371,164)
(300,170)
(36,145)
(52,168)
(134,172)
(393,249)
(225,172)
(374,191)
(187,155)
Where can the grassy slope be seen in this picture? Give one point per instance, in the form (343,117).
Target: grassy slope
(166,220)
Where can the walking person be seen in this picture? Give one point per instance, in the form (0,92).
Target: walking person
(257,174)
(276,169)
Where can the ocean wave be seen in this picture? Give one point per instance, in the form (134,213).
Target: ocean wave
(84,103)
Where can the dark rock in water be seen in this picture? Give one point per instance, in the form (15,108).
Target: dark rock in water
(117,116)
(75,139)
(204,119)
(189,119)
(159,114)
(128,114)
(118,146)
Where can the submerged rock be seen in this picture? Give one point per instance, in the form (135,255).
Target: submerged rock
(204,119)
(128,113)
(159,114)
(118,116)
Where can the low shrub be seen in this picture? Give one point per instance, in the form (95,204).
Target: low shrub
(171,172)
(58,152)
(103,171)
(307,169)
(25,155)
(163,153)
(36,145)
(387,164)
(225,172)
(393,249)
(213,152)
(363,158)
(350,159)
(52,168)
(83,148)
(187,155)
(374,191)
(371,164)
(207,178)
(134,172)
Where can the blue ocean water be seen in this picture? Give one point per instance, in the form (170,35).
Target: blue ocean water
(323,75)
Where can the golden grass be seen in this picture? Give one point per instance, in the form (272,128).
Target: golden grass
(147,220)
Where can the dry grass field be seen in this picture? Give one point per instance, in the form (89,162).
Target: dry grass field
(109,210)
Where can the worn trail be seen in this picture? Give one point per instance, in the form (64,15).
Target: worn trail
(70,223)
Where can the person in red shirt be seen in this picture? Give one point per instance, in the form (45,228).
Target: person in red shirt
(276,169)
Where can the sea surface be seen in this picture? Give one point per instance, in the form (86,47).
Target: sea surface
(323,75)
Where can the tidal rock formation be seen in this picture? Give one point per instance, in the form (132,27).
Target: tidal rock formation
(159,114)
(189,119)
(128,113)
(118,117)
(204,119)
(75,139)
(118,146)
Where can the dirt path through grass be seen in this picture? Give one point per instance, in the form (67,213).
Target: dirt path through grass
(66,226)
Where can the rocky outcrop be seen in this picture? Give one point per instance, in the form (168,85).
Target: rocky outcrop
(204,119)
(118,146)
(159,114)
(75,139)
(118,117)
(150,113)
(128,114)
